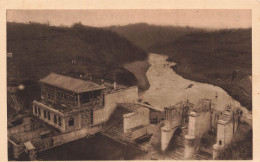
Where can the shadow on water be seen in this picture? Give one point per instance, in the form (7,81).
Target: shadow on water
(99,147)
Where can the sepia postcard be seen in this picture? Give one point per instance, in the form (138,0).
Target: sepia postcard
(121,80)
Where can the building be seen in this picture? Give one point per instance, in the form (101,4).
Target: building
(68,103)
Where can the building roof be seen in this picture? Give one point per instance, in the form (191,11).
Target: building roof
(29,145)
(70,84)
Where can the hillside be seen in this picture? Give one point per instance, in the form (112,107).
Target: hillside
(145,35)
(222,58)
(39,49)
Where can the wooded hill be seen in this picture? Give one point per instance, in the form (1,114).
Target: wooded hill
(39,49)
(146,36)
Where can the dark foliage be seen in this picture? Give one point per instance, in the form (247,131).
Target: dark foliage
(145,36)
(39,49)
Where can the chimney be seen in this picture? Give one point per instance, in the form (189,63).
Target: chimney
(114,85)
(102,82)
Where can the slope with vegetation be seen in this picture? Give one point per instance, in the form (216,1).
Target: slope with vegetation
(145,35)
(39,49)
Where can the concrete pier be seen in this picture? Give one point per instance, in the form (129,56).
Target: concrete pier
(166,136)
(189,147)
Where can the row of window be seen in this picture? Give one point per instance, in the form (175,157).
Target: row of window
(85,97)
(46,114)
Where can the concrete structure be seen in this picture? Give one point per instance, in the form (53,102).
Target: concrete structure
(199,124)
(175,117)
(138,118)
(69,109)
(227,127)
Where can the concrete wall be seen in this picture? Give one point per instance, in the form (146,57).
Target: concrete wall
(139,133)
(169,128)
(221,134)
(173,123)
(50,142)
(111,100)
(166,136)
(224,136)
(224,133)
(135,119)
(71,136)
(199,123)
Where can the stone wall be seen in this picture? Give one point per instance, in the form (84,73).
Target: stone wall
(129,95)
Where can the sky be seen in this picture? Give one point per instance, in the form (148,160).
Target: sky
(206,18)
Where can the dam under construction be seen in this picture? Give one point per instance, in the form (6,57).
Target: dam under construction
(72,110)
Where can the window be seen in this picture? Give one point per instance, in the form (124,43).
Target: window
(220,142)
(49,116)
(35,110)
(60,96)
(55,119)
(59,121)
(71,122)
(85,97)
(39,111)
(45,114)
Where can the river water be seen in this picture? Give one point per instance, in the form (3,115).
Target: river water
(168,88)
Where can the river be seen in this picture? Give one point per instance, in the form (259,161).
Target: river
(168,88)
